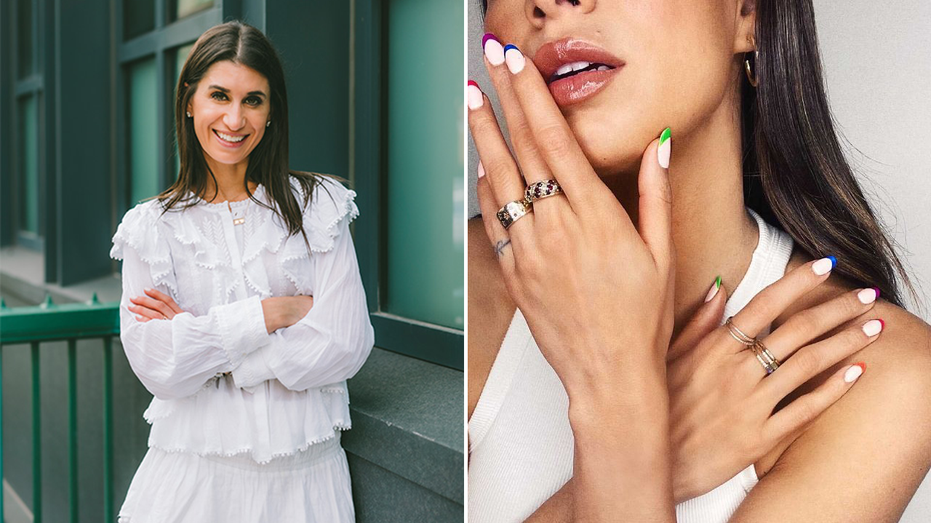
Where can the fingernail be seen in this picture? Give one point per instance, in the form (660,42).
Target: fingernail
(713,291)
(867,296)
(481,169)
(493,50)
(854,372)
(873,327)
(665,148)
(474,95)
(824,265)
(514,58)
(877,292)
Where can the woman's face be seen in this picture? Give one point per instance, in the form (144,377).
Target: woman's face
(671,63)
(230,109)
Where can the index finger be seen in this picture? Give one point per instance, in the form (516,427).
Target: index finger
(164,298)
(554,138)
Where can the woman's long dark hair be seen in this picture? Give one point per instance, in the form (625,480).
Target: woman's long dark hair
(268,163)
(795,172)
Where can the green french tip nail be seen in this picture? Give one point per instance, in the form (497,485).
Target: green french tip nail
(667,134)
(717,282)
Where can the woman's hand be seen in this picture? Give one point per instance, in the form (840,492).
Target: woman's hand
(721,399)
(596,293)
(284,311)
(154,305)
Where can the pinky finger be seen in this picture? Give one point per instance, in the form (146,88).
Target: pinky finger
(798,414)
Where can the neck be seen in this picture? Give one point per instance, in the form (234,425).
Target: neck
(229,181)
(713,234)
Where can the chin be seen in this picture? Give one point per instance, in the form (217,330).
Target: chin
(611,150)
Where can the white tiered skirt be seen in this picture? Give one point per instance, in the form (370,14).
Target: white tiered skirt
(311,486)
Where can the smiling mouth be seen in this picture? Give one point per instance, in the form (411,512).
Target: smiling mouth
(228,137)
(574,68)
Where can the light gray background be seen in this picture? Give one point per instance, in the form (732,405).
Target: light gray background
(877,64)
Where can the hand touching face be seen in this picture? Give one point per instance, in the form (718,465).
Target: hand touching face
(621,69)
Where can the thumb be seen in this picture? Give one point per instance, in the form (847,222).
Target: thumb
(706,319)
(656,200)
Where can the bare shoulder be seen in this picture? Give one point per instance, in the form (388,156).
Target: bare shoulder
(867,453)
(490,309)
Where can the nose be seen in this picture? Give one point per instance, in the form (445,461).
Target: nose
(538,11)
(234,118)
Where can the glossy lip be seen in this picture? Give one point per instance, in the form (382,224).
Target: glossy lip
(576,88)
(229,145)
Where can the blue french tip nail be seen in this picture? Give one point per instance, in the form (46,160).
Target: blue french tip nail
(510,46)
(833,261)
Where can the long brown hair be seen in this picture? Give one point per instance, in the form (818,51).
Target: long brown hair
(268,163)
(795,171)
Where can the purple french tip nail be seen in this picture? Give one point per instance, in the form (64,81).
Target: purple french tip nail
(487,37)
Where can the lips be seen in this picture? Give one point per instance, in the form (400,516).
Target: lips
(229,139)
(575,70)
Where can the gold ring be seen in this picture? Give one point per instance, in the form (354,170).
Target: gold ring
(514,211)
(738,334)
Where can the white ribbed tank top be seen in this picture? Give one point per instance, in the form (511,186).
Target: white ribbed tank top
(520,441)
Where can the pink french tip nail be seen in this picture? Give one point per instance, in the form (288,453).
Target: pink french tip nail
(855,371)
(867,296)
(494,51)
(474,95)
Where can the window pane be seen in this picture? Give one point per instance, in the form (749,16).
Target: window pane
(180,56)
(28,165)
(425,161)
(143,150)
(24,48)
(138,17)
(188,7)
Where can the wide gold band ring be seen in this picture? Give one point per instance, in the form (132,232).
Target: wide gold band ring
(514,211)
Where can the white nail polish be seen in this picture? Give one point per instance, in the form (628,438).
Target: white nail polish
(514,58)
(475,97)
(494,52)
(713,291)
(822,266)
(481,169)
(872,327)
(867,296)
(853,373)
(665,148)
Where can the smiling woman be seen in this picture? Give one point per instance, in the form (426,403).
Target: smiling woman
(242,309)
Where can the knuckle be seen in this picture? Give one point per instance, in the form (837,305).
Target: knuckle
(809,362)
(555,139)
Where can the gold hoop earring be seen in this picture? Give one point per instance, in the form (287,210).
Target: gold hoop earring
(754,81)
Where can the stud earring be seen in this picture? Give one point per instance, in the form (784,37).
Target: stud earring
(188,114)
(268,123)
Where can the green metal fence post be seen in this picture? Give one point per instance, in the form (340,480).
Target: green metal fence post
(72,430)
(36,437)
(108,430)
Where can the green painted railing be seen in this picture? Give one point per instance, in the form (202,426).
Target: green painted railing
(71,322)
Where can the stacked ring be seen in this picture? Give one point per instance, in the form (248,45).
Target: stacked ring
(738,334)
(766,358)
(542,189)
(514,211)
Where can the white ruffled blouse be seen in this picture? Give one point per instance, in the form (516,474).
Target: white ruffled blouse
(222,384)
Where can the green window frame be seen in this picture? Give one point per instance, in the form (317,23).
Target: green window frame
(430,342)
(161,44)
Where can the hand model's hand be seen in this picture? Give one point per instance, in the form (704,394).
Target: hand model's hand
(154,305)
(284,311)
(721,399)
(596,294)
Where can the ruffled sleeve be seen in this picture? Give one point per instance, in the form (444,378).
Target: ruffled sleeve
(175,358)
(333,340)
